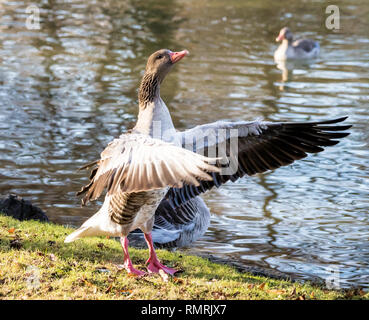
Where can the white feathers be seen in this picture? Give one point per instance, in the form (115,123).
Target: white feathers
(137,162)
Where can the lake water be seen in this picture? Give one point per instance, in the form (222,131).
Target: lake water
(70,87)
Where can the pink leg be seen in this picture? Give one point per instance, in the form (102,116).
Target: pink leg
(127,263)
(153,261)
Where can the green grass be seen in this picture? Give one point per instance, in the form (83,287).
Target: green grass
(36,264)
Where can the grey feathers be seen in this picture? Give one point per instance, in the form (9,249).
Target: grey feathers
(262,146)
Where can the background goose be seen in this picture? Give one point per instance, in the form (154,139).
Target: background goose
(299,49)
(156,168)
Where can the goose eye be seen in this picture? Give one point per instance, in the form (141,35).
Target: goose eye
(159,56)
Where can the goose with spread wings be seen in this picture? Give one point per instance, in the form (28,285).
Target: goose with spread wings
(155,174)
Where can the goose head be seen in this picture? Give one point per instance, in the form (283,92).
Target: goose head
(158,66)
(284,34)
(161,62)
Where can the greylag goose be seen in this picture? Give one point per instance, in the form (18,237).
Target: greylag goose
(137,170)
(298,49)
(156,169)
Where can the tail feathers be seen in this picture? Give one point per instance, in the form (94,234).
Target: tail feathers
(79,233)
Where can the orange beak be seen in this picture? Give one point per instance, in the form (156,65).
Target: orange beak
(279,38)
(176,56)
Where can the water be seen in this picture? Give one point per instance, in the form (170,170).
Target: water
(67,89)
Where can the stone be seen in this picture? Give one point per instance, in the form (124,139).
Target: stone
(18,208)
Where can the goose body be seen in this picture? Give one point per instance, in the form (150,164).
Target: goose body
(121,213)
(155,174)
(299,49)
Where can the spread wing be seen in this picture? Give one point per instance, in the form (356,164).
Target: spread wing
(261,146)
(136,162)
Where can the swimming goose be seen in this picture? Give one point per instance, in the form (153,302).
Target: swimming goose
(299,49)
(156,170)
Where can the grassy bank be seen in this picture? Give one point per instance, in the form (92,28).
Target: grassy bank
(36,264)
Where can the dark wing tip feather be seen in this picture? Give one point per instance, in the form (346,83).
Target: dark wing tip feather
(310,123)
(279,144)
(88,165)
(334,128)
(341,119)
(88,189)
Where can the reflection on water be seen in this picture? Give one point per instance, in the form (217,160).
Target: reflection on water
(67,89)
(286,71)
(290,67)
